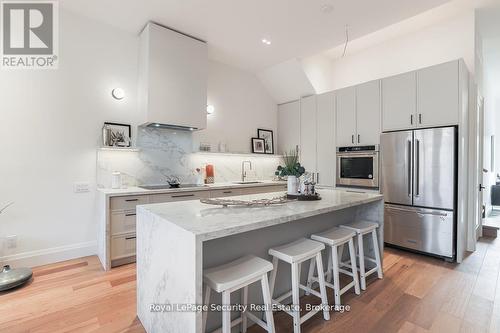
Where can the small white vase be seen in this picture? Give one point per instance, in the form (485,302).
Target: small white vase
(292,187)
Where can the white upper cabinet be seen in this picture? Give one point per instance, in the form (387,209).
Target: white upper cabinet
(288,127)
(346,116)
(368,113)
(438,95)
(308,133)
(399,96)
(325,138)
(173,78)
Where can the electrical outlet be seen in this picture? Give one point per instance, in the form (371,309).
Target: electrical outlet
(11,242)
(81,187)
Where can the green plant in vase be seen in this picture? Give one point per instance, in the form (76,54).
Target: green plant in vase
(291,169)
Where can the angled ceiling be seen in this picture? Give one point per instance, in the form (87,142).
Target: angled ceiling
(234,28)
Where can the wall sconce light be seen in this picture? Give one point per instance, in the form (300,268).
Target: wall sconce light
(118,93)
(210,109)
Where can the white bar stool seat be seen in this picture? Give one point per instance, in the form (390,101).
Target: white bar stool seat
(233,276)
(295,254)
(336,238)
(363,228)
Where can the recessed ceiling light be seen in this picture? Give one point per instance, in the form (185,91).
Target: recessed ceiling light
(327,8)
(266,41)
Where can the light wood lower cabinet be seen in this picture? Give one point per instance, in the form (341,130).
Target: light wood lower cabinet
(226,193)
(123,215)
(179,196)
(129,202)
(123,249)
(123,222)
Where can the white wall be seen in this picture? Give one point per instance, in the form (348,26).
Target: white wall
(447,40)
(241,104)
(50,122)
(50,126)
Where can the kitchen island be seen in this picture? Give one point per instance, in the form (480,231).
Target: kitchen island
(176,241)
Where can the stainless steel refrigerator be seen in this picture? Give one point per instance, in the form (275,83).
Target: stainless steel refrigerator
(418,180)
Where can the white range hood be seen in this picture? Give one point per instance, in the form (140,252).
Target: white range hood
(172,79)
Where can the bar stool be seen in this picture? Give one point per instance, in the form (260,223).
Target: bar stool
(336,238)
(236,275)
(363,228)
(295,254)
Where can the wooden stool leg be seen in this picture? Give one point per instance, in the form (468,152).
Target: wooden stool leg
(377,253)
(312,266)
(272,280)
(206,301)
(295,297)
(322,287)
(341,254)
(266,295)
(329,267)
(352,254)
(361,252)
(244,301)
(226,315)
(336,275)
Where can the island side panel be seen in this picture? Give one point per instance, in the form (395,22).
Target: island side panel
(373,212)
(168,272)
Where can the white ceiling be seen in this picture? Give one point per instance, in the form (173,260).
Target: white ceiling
(234,28)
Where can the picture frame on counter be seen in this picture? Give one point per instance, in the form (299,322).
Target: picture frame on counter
(116,135)
(268,137)
(258,146)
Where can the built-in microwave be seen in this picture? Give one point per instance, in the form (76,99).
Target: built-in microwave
(358,166)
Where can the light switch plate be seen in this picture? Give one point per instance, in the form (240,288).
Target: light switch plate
(81,187)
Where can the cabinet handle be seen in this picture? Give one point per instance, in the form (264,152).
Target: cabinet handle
(227,192)
(352,138)
(359,138)
(131,214)
(183,196)
(411,119)
(130,200)
(420,118)
(129,238)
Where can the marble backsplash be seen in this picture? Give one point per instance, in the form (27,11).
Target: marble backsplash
(164,152)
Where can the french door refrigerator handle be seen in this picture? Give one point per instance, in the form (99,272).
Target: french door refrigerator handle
(417,168)
(409,168)
(419,213)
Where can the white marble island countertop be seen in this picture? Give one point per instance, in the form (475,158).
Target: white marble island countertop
(208,222)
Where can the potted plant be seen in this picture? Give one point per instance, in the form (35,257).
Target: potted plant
(292,170)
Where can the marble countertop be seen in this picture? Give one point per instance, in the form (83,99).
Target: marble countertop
(133,190)
(211,222)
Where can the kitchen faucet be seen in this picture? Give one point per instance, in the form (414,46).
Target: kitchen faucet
(243,171)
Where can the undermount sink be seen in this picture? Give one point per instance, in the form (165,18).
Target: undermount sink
(248,182)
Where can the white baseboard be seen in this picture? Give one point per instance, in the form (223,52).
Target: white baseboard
(50,255)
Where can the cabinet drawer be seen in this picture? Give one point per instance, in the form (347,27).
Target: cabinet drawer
(123,222)
(123,246)
(179,196)
(264,189)
(128,203)
(225,193)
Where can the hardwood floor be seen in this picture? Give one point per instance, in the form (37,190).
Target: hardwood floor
(417,294)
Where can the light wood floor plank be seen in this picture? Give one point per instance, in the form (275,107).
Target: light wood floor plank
(418,294)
